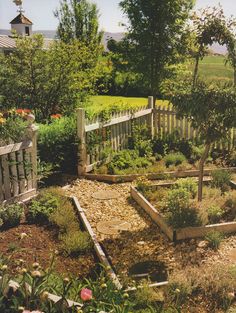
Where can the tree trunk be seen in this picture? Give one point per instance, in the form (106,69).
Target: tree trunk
(201,170)
(196,71)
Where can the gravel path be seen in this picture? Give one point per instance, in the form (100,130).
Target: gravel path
(144,241)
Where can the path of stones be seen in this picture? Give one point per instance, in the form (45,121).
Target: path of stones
(143,241)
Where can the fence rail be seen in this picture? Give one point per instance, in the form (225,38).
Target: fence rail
(18,169)
(116,131)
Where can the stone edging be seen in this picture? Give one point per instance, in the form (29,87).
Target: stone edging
(181,233)
(152,176)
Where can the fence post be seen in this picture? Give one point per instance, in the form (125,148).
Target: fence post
(33,133)
(82,155)
(151,106)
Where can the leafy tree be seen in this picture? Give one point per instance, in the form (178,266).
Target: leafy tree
(212,112)
(78,19)
(49,80)
(154,35)
(210,26)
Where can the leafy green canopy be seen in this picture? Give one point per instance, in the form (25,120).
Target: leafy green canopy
(210,108)
(154,35)
(50,80)
(78,19)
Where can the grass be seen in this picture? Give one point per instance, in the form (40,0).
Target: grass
(214,68)
(100,103)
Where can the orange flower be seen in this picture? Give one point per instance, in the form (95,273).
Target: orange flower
(54,116)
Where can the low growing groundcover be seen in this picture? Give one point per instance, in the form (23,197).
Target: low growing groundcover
(46,225)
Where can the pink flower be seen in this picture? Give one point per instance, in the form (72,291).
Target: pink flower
(86,294)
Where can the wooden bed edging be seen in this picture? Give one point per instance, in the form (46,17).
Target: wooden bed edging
(152,176)
(181,233)
(98,249)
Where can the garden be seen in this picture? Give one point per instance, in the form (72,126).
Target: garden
(112,200)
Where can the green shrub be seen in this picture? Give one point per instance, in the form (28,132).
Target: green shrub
(75,242)
(174,159)
(64,218)
(44,205)
(197,152)
(188,184)
(214,238)
(180,212)
(11,215)
(140,140)
(215,214)
(221,179)
(127,159)
(58,144)
(230,205)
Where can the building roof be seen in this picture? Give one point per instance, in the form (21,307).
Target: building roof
(21,19)
(7,42)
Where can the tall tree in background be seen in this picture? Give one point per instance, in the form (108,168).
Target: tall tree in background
(154,35)
(78,19)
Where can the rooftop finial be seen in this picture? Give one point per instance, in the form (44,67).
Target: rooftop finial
(19,4)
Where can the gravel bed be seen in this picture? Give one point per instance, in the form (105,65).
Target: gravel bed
(144,241)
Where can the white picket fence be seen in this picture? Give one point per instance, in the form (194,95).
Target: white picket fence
(161,120)
(18,169)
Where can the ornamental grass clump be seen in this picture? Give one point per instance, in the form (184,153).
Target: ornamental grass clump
(221,179)
(174,159)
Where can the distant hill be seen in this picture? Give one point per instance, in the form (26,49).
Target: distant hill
(216,48)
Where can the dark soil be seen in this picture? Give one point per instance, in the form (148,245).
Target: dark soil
(39,245)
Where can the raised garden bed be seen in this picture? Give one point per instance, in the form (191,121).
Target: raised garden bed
(151,176)
(176,234)
(29,242)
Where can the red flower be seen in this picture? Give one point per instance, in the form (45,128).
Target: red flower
(56,116)
(86,294)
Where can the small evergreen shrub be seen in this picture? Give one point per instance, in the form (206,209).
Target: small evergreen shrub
(174,159)
(230,205)
(11,215)
(188,184)
(215,214)
(180,212)
(65,218)
(214,238)
(221,179)
(75,242)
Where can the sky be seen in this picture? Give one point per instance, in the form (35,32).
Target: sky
(41,12)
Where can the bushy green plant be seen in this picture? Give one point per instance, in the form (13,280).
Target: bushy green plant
(180,211)
(140,140)
(230,205)
(221,179)
(189,184)
(127,159)
(64,217)
(214,213)
(75,242)
(58,144)
(10,215)
(44,205)
(197,152)
(214,239)
(174,159)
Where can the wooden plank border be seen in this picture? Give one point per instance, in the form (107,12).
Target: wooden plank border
(98,249)
(16,147)
(181,233)
(152,176)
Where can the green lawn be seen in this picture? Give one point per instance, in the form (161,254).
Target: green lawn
(100,103)
(213,68)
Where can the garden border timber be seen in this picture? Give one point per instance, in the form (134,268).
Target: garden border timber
(152,176)
(181,233)
(100,253)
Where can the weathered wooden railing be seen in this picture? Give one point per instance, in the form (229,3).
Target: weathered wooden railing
(18,168)
(161,120)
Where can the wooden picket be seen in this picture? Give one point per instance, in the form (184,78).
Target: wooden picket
(18,169)
(160,120)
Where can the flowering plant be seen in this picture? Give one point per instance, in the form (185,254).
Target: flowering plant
(13,124)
